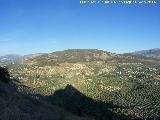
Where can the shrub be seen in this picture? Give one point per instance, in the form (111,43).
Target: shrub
(4,75)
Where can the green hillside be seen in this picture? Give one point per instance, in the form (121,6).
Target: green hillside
(103,79)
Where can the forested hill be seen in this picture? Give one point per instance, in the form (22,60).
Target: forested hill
(85,55)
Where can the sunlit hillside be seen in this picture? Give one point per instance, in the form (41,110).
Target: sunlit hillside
(128,81)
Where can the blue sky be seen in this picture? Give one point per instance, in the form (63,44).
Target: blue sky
(37,26)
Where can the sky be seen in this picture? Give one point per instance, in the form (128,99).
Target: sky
(40,26)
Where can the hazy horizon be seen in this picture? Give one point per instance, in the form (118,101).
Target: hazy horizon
(73,48)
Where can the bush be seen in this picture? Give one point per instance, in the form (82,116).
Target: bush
(4,75)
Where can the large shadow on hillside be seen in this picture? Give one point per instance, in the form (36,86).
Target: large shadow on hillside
(74,101)
(69,99)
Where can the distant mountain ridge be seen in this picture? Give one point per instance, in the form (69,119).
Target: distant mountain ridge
(86,55)
(11,58)
(154,53)
(15,58)
(72,56)
(81,55)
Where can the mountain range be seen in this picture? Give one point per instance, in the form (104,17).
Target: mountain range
(151,53)
(15,58)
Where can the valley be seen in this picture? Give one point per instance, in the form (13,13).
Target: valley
(127,81)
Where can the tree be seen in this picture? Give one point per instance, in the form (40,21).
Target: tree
(4,74)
